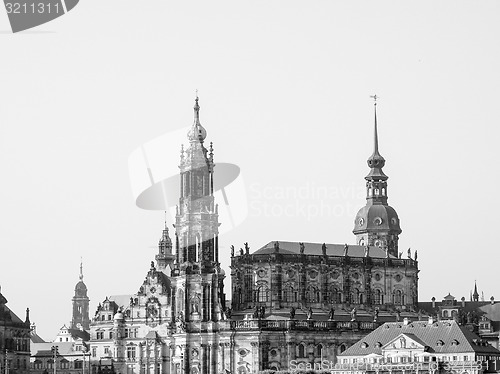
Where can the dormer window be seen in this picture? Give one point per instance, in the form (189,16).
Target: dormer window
(440,343)
(455,342)
(364,345)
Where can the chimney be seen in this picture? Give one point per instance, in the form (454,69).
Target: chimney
(463,302)
(492,300)
(433,302)
(406,321)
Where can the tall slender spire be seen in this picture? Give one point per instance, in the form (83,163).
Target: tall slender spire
(475,295)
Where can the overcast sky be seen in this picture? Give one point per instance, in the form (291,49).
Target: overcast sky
(284,92)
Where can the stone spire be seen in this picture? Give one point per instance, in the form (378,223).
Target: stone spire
(475,295)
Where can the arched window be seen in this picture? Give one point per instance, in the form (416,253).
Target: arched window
(312,295)
(288,294)
(377,297)
(262,294)
(342,348)
(398,297)
(445,313)
(301,350)
(319,350)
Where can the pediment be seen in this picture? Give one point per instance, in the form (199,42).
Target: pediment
(405,341)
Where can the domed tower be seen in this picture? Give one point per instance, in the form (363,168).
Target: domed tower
(165,258)
(80,318)
(377,223)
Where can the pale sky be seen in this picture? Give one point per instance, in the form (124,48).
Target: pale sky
(284,92)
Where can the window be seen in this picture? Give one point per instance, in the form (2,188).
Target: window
(398,297)
(301,350)
(78,364)
(125,333)
(111,334)
(377,297)
(106,351)
(445,313)
(64,364)
(262,296)
(109,317)
(319,350)
(100,335)
(131,352)
(94,351)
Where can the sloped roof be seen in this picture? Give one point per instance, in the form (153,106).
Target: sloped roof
(492,311)
(44,349)
(429,334)
(316,249)
(79,334)
(35,338)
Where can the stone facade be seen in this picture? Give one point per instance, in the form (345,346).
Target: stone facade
(290,301)
(14,341)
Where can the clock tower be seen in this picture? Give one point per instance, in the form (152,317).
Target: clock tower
(80,320)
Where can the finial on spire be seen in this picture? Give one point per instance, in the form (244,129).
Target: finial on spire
(81,269)
(375,150)
(165,220)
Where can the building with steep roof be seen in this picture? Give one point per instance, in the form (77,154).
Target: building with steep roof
(80,319)
(14,340)
(290,300)
(481,317)
(420,346)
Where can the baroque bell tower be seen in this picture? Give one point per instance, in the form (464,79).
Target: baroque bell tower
(197,276)
(80,319)
(377,223)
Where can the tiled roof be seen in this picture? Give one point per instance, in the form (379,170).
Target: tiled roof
(492,311)
(430,334)
(44,349)
(316,249)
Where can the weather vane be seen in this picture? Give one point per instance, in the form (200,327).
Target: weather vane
(374,97)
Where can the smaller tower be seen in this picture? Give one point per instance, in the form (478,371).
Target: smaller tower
(80,318)
(165,258)
(475,295)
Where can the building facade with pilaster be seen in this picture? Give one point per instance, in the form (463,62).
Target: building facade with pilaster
(290,301)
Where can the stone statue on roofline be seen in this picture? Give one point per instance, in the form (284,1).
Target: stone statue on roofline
(353,314)
(302,248)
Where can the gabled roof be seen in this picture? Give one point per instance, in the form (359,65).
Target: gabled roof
(316,249)
(455,338)
(411,337)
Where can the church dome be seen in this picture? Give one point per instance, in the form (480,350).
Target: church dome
(118,316)
(80,286)
(377,217)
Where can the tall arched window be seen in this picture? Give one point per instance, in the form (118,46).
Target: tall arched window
(319,350)
(262,294)
(398,297)
(312,294)
(288,294)
(301,350)
(377,297)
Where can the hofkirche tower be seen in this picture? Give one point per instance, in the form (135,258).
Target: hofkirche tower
(197,276)
(377,223)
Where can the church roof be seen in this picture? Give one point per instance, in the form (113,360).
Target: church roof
(439,337)
(316,249)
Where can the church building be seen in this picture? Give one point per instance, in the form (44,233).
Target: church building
(289,300)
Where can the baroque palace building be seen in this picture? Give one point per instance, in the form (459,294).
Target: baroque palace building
(289,301)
